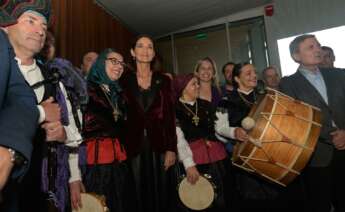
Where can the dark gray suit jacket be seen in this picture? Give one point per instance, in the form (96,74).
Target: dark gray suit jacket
(298,87)
(18,110)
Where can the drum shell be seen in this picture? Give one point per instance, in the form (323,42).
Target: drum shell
(287,130)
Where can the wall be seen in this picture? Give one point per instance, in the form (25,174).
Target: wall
(227,43)
(81,26)
(293,17)
(189,49)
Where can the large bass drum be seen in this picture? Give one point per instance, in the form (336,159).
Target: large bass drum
(282,140)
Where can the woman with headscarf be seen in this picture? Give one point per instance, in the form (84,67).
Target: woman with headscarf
(106,172)
(199,149)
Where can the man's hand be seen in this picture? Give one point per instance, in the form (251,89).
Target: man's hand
(76,188)
(192,174)
(51,110)
(169,159)
(5,166)
(338,139)
(54,131)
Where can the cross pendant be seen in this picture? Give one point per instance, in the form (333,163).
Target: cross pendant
(195,120)
(116,115)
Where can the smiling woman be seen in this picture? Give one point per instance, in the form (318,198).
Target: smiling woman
(114,66)
(206,71)
(106,173)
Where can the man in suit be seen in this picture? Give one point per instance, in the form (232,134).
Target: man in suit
(26,30)
(21,46)
(324,177)
(18,114)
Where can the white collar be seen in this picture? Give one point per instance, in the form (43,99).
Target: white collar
(245,92)
(26,68)
(187,102)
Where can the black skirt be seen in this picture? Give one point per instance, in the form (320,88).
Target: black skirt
(155,187)
(115,182)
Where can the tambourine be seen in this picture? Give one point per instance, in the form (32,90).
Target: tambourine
(198,196)
(92,203)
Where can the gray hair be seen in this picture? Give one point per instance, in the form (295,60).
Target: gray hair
(294,45)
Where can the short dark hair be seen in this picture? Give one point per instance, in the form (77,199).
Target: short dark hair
(294,45)
(225,65)
(236,73)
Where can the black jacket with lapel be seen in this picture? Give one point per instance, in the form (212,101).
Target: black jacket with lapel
(298,87)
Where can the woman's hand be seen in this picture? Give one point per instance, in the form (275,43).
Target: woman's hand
(192,174)
(169,160)
(76,188)
(241,134)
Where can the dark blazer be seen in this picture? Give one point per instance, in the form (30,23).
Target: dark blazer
(18,110)
(157,121)
(297,86)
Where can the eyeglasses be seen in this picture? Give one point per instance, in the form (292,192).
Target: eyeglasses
(115,61)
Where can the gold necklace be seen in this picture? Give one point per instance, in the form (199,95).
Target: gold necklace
(195,118)
(116,111)
(246,101)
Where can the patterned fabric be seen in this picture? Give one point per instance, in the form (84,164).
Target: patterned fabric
(10,10)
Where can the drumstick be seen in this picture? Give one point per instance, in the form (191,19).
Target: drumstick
(248,124)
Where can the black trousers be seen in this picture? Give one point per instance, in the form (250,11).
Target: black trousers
(325,186)
(9,201)
(256,194)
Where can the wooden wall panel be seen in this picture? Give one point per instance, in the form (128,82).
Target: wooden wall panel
(80,26)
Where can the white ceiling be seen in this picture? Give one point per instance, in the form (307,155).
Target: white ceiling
(159,17)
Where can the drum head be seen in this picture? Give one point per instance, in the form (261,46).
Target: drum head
(91,203)
(198,196)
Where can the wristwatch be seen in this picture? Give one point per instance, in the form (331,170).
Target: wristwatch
(16,158)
